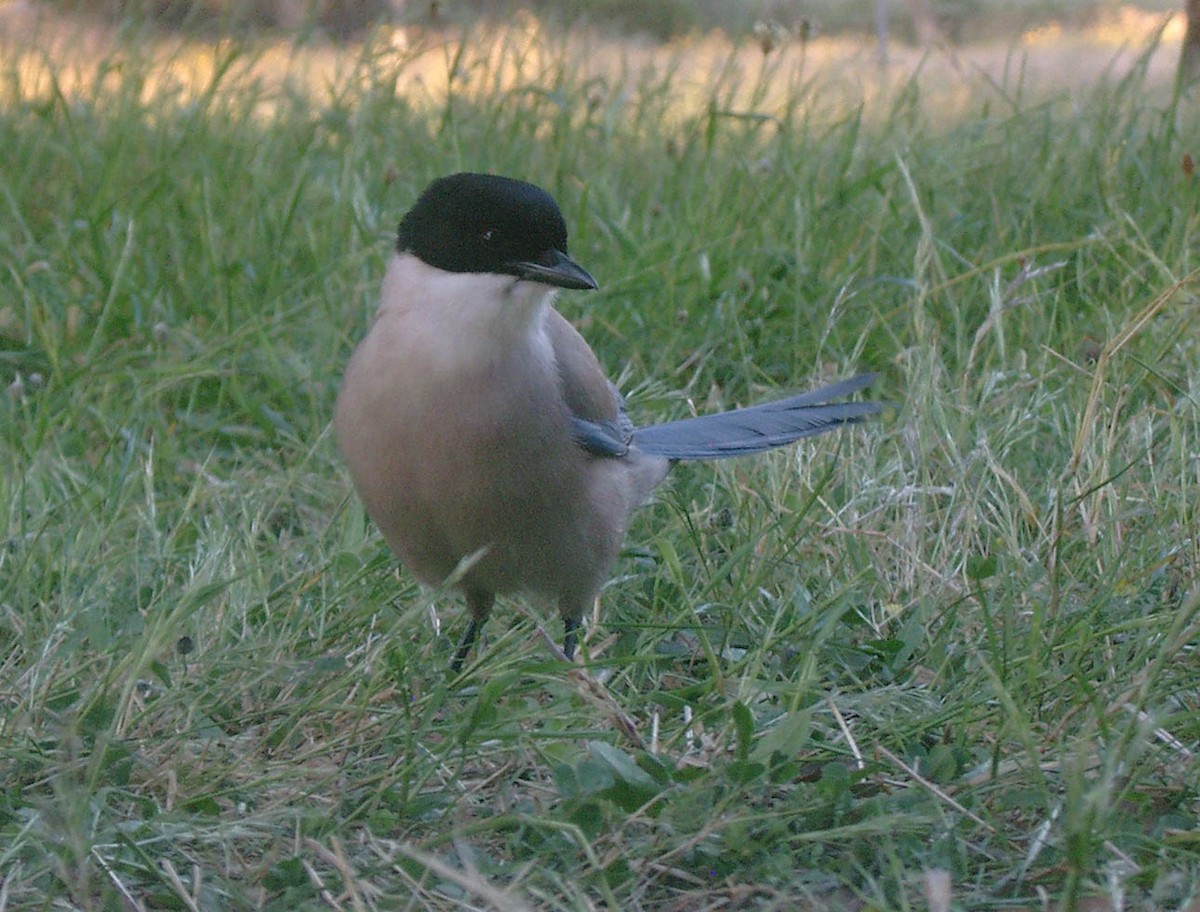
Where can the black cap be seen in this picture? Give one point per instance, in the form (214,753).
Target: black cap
(486,223)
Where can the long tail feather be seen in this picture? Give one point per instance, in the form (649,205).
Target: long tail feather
(759,427)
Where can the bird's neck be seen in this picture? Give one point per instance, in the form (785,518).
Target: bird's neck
(469,318)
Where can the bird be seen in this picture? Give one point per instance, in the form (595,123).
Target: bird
(480,432)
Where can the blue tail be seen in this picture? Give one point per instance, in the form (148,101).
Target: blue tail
(759,427)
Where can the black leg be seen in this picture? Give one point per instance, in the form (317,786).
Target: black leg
(480,606)
(464,647)
(570,625)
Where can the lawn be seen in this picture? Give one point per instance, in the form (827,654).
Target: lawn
(944,660)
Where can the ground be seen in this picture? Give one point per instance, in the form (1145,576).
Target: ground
(943,660)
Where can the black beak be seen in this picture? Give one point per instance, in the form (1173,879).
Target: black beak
(553,268)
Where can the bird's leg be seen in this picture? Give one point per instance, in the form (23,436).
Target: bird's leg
(570,625)
(464,646)
(480,606)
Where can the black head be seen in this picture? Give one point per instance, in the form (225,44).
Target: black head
(486,223)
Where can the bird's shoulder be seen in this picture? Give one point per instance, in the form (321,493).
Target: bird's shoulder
(597,411)
(585,388)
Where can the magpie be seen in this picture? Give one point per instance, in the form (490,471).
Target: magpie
(480,432)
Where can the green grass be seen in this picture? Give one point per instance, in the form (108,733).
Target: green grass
(961,639)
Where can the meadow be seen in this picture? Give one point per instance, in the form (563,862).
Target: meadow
(943,660)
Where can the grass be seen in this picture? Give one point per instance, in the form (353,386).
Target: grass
(955,648)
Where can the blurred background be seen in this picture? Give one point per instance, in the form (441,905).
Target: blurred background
(919,22)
